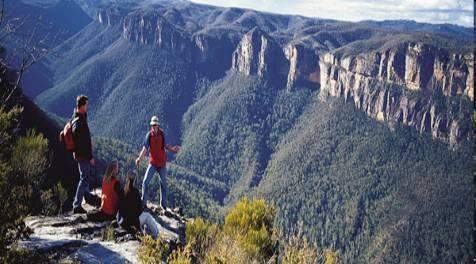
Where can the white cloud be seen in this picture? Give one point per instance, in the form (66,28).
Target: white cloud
(431,11)
(432,4)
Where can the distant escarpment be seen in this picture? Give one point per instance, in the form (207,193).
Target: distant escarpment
(418,80)
(413,84)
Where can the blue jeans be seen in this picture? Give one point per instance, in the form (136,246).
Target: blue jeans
(83,185)
(149,225)
(149,173)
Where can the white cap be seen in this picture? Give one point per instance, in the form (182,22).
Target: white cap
(154,121)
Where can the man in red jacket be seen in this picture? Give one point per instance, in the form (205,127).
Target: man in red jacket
(154,142)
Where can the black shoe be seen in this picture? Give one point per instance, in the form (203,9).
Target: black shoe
(79,210)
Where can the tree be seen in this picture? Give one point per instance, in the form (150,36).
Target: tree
(31,48)
(18,180)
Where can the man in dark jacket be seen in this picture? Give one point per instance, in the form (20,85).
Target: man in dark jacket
(83,153)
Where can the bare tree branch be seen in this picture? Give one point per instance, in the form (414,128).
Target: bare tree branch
(30,47)
(32,53)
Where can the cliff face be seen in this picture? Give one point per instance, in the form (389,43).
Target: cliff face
(148,28)
(303,65)
(212,53)
(415,66)
(415,85)
(153,29)
(110,16)
(258,54)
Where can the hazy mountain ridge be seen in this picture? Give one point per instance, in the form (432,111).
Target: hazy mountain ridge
(322,54)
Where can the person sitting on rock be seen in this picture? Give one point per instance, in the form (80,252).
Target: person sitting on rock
(131,215)
(111,194)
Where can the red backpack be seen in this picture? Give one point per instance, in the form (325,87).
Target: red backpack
(66,135)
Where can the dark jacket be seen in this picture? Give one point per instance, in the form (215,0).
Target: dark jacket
(130,207)
(82,138)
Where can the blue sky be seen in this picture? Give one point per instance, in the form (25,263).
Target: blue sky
(433,11)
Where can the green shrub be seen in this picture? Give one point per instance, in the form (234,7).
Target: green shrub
(298,251)
(152,251)
(251,224)
(180,256)
(52,200)
(108,234)
(248,236)
(227,249)
(200,235)
(8,120)
(62,195)
(23,161)
(30,157)
(330,257)
(50,206)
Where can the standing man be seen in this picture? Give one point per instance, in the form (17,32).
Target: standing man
(83,153)
(154,142)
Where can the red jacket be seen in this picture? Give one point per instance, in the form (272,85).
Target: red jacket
(110,198)
(156,146)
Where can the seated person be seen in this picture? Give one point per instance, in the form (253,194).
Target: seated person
(111,194)
(131,215)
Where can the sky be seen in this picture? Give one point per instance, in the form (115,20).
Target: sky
(458,12)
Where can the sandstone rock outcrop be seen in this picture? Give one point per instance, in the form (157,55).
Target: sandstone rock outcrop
(210,53)
(417,85)
(258,54)
(303,65)
(151,28)
(110,16)
(72,238)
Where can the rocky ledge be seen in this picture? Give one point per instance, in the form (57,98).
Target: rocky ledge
(70,238)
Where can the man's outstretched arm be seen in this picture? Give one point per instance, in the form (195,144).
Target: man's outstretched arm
(173,149)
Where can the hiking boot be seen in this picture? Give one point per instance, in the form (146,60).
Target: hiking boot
(79,210)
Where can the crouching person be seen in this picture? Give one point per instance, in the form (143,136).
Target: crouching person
(131,215)
(111,194)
